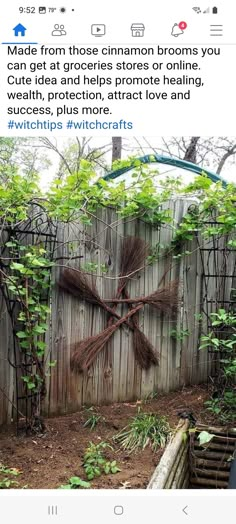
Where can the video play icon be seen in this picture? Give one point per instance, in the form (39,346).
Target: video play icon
(98,29)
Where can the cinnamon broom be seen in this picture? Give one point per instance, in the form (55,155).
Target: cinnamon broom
(76,283)
(165,299)
(88,349)
(143,349)
(134,251)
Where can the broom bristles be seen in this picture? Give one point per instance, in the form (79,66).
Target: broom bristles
(88,349)
(134,251)
(76,283)
(165,299)
(143,350)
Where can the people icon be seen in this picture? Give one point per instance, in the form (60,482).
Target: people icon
(59,30)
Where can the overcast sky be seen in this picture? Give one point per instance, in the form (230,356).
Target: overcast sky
(130,148)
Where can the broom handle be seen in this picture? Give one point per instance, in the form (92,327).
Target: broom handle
(122,283)
(127,300)
(115,302)
(134,320)
(90,358)
(114,314)
(128,315)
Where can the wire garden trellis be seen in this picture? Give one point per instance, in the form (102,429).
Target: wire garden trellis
(218,280)
(36,230)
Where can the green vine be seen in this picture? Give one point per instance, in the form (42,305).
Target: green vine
(223,401)
(26,269)
(27,282)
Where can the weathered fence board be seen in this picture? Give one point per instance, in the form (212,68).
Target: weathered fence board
(115,375)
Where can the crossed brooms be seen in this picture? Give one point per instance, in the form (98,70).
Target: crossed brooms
(134,252)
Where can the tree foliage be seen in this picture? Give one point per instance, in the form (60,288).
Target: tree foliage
(26,269)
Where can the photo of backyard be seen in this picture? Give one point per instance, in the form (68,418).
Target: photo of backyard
(118,313)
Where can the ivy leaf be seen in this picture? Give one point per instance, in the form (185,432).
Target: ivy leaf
(85,220)
(17,266)
(52,364)
(11,244)
(204,437)
(38,262)
(21,334)
(115,469)
(11,287)
(41,345)
(24,344)
(26,271)
(76,481)
(39,330)
(31,385)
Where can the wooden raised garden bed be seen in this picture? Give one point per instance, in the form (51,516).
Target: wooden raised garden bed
(188,465)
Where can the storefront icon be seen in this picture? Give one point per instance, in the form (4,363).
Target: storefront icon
(137,30)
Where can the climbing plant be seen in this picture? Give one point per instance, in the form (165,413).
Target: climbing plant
(27,281)
(214,203)
(26,263)
(222,339)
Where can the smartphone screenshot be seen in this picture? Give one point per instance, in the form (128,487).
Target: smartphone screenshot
(117,262)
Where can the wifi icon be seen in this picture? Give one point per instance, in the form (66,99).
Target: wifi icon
(197,10)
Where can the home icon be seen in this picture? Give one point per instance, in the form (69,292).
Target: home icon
(19,30)
(137,30)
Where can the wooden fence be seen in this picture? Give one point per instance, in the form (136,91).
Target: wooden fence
(115,376)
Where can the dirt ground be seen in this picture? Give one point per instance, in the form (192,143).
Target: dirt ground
(49,460)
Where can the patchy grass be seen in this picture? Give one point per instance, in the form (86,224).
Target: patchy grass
(145,429)
(50,460)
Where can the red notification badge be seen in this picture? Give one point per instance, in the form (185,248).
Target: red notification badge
(182,25)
